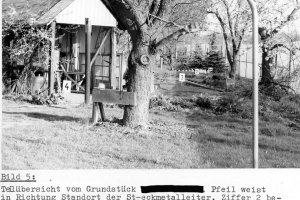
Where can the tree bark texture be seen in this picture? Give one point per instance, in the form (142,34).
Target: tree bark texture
(267,61)
(233,65)
(139,81)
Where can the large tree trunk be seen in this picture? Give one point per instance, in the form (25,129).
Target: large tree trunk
(139,81)
(233,63)
(233,66)
(267,61)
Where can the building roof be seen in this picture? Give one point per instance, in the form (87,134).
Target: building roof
(76,11)
(50,15)
(62,11)
(26,7)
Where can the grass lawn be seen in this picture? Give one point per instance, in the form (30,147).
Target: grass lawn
(43,137)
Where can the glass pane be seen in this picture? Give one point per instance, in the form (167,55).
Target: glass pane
(117,81)
(98,60)
(106,60)
(105,71)
(82,58)
(98,70)
(118,61)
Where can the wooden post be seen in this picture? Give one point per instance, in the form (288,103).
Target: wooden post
(96,112)
(112,71)
(87,60)
(51,71)
(255,73)
(102,111)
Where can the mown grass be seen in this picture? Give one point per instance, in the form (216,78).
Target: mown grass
(52,138)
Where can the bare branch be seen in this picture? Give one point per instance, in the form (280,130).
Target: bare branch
(222,23)
(288,19)
(192,28)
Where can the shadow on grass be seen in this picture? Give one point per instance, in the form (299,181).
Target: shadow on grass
(44,116)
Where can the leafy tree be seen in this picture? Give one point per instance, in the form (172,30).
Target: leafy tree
(216,62)
(234,18)
(144,20)
(272,20)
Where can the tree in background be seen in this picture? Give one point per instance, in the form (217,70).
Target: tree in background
(235,20)
(234,17)
(144,20)
(216,62)
(272,21)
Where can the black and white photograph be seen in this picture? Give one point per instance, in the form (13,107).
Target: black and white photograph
(150,84)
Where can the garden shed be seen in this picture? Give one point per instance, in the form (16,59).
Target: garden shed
(83,45)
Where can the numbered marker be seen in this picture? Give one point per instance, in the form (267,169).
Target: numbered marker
(197,71)
(66,86)
(181,77)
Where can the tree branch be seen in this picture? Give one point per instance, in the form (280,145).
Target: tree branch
(192,28)
(288,19)
(161,9)
(222,23)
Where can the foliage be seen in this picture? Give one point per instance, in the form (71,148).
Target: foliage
(237,103)
(234,19)
(162,103)
(23,45)
(195,62)
(215,61)
(274,91)
(205,103)
(273,39)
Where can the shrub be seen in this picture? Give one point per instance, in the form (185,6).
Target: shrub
(182,102)
(216,62)
(206,103)
(274,91)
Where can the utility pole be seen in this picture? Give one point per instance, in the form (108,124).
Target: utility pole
(255,80)
(87,60)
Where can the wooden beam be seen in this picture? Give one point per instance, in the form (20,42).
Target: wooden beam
(114,96)
(98,108)
(101,107)
(100,47)
(87,60)
(71,79)
(112,71)
(96,112)
(52,66)
(121,73)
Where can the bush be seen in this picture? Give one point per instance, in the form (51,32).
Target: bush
(182,102)
(275,91)
(162,103)
(216,62)
(194,62)
(206,103)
